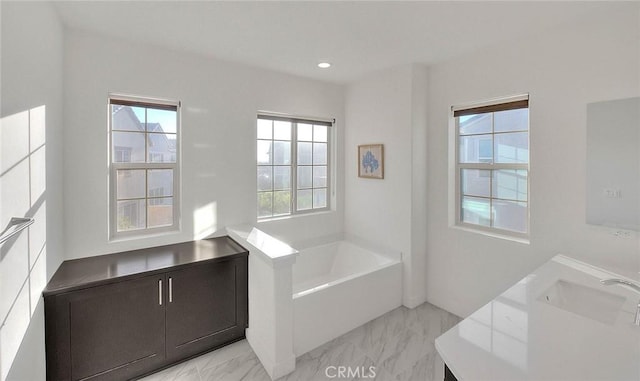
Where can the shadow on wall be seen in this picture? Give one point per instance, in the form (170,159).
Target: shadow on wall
(23,264)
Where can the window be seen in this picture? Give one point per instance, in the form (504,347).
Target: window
(492,166)
(144,177)
(293,166)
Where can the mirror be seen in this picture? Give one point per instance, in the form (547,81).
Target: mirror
(613,163)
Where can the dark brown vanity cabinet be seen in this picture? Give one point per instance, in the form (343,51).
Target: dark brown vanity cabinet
(210,291)
(137,323)
(448,375)
(107,332)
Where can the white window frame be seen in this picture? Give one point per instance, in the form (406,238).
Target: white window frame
(114,234)
(457,172)
(330,123)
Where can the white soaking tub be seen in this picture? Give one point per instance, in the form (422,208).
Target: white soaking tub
(338,287)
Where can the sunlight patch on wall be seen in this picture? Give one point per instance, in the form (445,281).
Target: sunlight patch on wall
(205,220)
(23,259)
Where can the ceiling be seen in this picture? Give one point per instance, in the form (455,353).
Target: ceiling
(357,37)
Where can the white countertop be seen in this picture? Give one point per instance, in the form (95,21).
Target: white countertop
(516,336)
(267,247)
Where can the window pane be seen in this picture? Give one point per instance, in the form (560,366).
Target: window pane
(305,132)
(475,182)
(510,184)
(264,178)
(476,211)
(130,183)
(304,153)
(281,153)
(476,149)
(162,148)
(127,118)
(510,215)
(281,203)
(265,203)
(160,182)
(319,198)
(275,170)
(319,133)
(320,153)
(131,215)
(143,134)
(512,120)
(475,124)
(304,177)
(160,212)
(162,120)
(128,147)
(281,130)
(304,199)
(281,178)
(264,152)
(264,129)
(512,147)
(319,176)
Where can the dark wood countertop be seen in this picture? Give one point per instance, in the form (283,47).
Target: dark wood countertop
(94,271)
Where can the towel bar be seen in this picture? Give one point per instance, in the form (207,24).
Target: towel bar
(15,226)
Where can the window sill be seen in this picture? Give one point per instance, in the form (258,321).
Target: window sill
(295,216)
(142,235)
(507,237)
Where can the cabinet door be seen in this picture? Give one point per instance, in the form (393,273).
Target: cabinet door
(117,330)
(204,307)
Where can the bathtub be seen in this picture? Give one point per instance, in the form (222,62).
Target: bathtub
(340,286)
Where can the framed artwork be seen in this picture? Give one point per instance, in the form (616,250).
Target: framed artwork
(371,161)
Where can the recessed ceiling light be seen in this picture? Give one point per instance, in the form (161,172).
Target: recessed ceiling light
(324,65)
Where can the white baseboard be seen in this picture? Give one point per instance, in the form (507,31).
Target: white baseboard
(413,301)
(274,369)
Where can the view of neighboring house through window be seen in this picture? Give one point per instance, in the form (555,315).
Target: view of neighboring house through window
(492,166)
(144,165)
(292,166)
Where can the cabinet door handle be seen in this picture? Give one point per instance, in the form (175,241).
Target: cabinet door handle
(170,290)
(160,292)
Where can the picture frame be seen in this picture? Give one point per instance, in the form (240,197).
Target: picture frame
(371,161)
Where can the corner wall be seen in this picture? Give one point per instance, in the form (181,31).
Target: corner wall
(563,70)
(30,179)
(389,107)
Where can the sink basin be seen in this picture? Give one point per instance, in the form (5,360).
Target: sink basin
(584,301)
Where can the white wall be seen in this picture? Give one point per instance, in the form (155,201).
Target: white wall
(30,180)
(419,186)
(219,105)
(381,109)
(563,70)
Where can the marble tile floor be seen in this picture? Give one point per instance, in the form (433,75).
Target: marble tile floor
(399,344)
